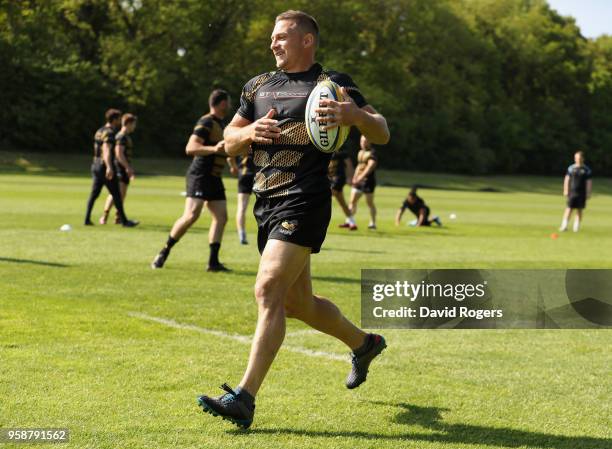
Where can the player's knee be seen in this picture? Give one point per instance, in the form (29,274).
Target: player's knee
(192,216)
(268,292)
(293,305)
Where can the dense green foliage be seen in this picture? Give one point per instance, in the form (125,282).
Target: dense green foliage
(473,86)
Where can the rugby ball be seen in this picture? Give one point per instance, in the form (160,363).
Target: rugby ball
(329,140)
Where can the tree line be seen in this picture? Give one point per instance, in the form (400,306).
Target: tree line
(469,86)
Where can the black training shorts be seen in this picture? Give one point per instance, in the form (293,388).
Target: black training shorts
(245,183)
(576,201)
(337,183)
(301,219)
(207,188)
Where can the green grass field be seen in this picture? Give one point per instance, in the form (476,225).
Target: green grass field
(94,340)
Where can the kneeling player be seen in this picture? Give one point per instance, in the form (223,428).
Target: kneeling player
(204,184)
(417,206)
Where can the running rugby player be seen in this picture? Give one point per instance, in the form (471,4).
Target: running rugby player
(204,183)
(124,150)
(293,206)
(102,168)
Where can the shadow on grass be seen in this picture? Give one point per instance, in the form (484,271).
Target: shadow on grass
(33,262)
(431,419)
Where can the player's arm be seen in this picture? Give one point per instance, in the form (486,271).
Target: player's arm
(120,155)
(589,187)
(106,157)
(398,216)
(370,166)
(241,133)
(566,185)
(233,167)
(196,147)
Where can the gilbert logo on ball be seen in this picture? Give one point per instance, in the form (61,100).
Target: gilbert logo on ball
(328,140)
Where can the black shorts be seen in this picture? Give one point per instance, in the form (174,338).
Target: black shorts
(207,188)
(245,183)
(122,174)
(337,183)
(299,219)
(576,201)
(367,187)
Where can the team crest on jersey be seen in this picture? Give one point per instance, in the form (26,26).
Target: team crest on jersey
(288,227)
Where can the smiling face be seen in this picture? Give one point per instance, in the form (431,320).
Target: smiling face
(292,49)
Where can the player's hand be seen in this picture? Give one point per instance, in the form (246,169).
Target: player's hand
(130,173)
(338,113)
(220,147)
(265,130)
(234,171)
(109,173)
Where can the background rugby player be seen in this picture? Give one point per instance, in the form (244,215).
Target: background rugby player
(102,168)
(577,187)
(204,183)
(340,168)
(417,206)
(246,178)
(364,180)
(293,205)
(124,150)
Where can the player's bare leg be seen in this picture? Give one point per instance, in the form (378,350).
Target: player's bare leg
(193,210)
(355,196)
(323,315)
(241,207)
(372,207)
(567,214)
(280,266)
(320,313)
(218,210)
(577,220)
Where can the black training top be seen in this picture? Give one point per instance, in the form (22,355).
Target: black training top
(246,165)
(125,141)
(414,207)
(579,174)
(337,165)
(210,129)
(292,164)
(106,134)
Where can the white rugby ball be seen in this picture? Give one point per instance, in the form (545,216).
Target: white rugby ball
(329,140)
(65,228)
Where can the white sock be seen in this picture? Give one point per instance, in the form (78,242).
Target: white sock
(576,224)
(564,224)
(351,220)
(241,234)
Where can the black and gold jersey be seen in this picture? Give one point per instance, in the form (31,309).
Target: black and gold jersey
(210,129)
(337,165)
(579,175)
(106,134)
(246,166)
(125,140)
(363,157)
(291,165)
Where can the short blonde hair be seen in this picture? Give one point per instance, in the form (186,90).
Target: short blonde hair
(305,22)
